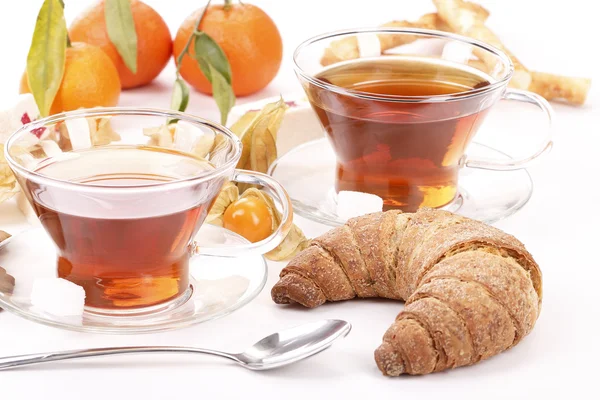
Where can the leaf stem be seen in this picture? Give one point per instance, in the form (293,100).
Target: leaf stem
(227,5)
(189,41)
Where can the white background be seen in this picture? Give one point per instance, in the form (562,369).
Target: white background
(559,226)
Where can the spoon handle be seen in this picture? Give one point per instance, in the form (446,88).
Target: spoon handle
(28,359)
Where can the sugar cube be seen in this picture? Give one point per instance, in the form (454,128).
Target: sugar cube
(50,147)
(79,133)
(222,292)
(354,204)
(457,51)
(368,45)
(58,296)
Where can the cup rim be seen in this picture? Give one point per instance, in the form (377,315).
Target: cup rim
(405,99)
(229,165)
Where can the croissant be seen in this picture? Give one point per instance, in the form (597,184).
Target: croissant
(471,290)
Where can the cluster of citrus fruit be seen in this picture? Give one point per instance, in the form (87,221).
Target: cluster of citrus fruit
(95,73)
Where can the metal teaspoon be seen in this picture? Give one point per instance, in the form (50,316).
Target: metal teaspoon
(276,350)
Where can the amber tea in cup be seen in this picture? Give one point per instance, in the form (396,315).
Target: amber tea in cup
(406,153)
(400,122)
(133,253)
(123,209)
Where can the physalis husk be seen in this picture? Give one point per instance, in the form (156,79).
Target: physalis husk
(102,132)
(8,183)
(161,136)
(183,136)
(228,195)
(258,132)
(293,243)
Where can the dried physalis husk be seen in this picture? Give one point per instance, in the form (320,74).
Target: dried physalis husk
(63,140)
(7,282)
(294,242)
(161,136)
(228,195)
(258,132)
(244,122)
(182,136)
(204,145)
(4,236)
(102,132)
(8,183)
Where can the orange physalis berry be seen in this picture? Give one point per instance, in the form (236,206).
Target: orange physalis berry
(250,218)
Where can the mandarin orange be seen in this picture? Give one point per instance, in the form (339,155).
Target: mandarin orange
(154,44)
(90,80)
(249,38)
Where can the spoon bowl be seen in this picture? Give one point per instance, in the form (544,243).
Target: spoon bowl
(293,344)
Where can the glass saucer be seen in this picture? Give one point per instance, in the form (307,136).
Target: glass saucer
(308,172)
(218,286)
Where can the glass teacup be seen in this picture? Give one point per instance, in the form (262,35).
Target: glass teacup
(400,120)
(122,192)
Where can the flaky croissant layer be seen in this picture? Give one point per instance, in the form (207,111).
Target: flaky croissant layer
(471,290)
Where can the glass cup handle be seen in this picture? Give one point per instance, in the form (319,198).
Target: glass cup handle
(275,189)
(546,145)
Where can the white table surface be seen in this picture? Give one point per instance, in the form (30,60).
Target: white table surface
(559,226)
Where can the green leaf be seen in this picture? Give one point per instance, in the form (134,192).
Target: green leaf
(46,58)
(180,96)
(222,93)
(204,67)
(207,50)
(121,30)
(214,65)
